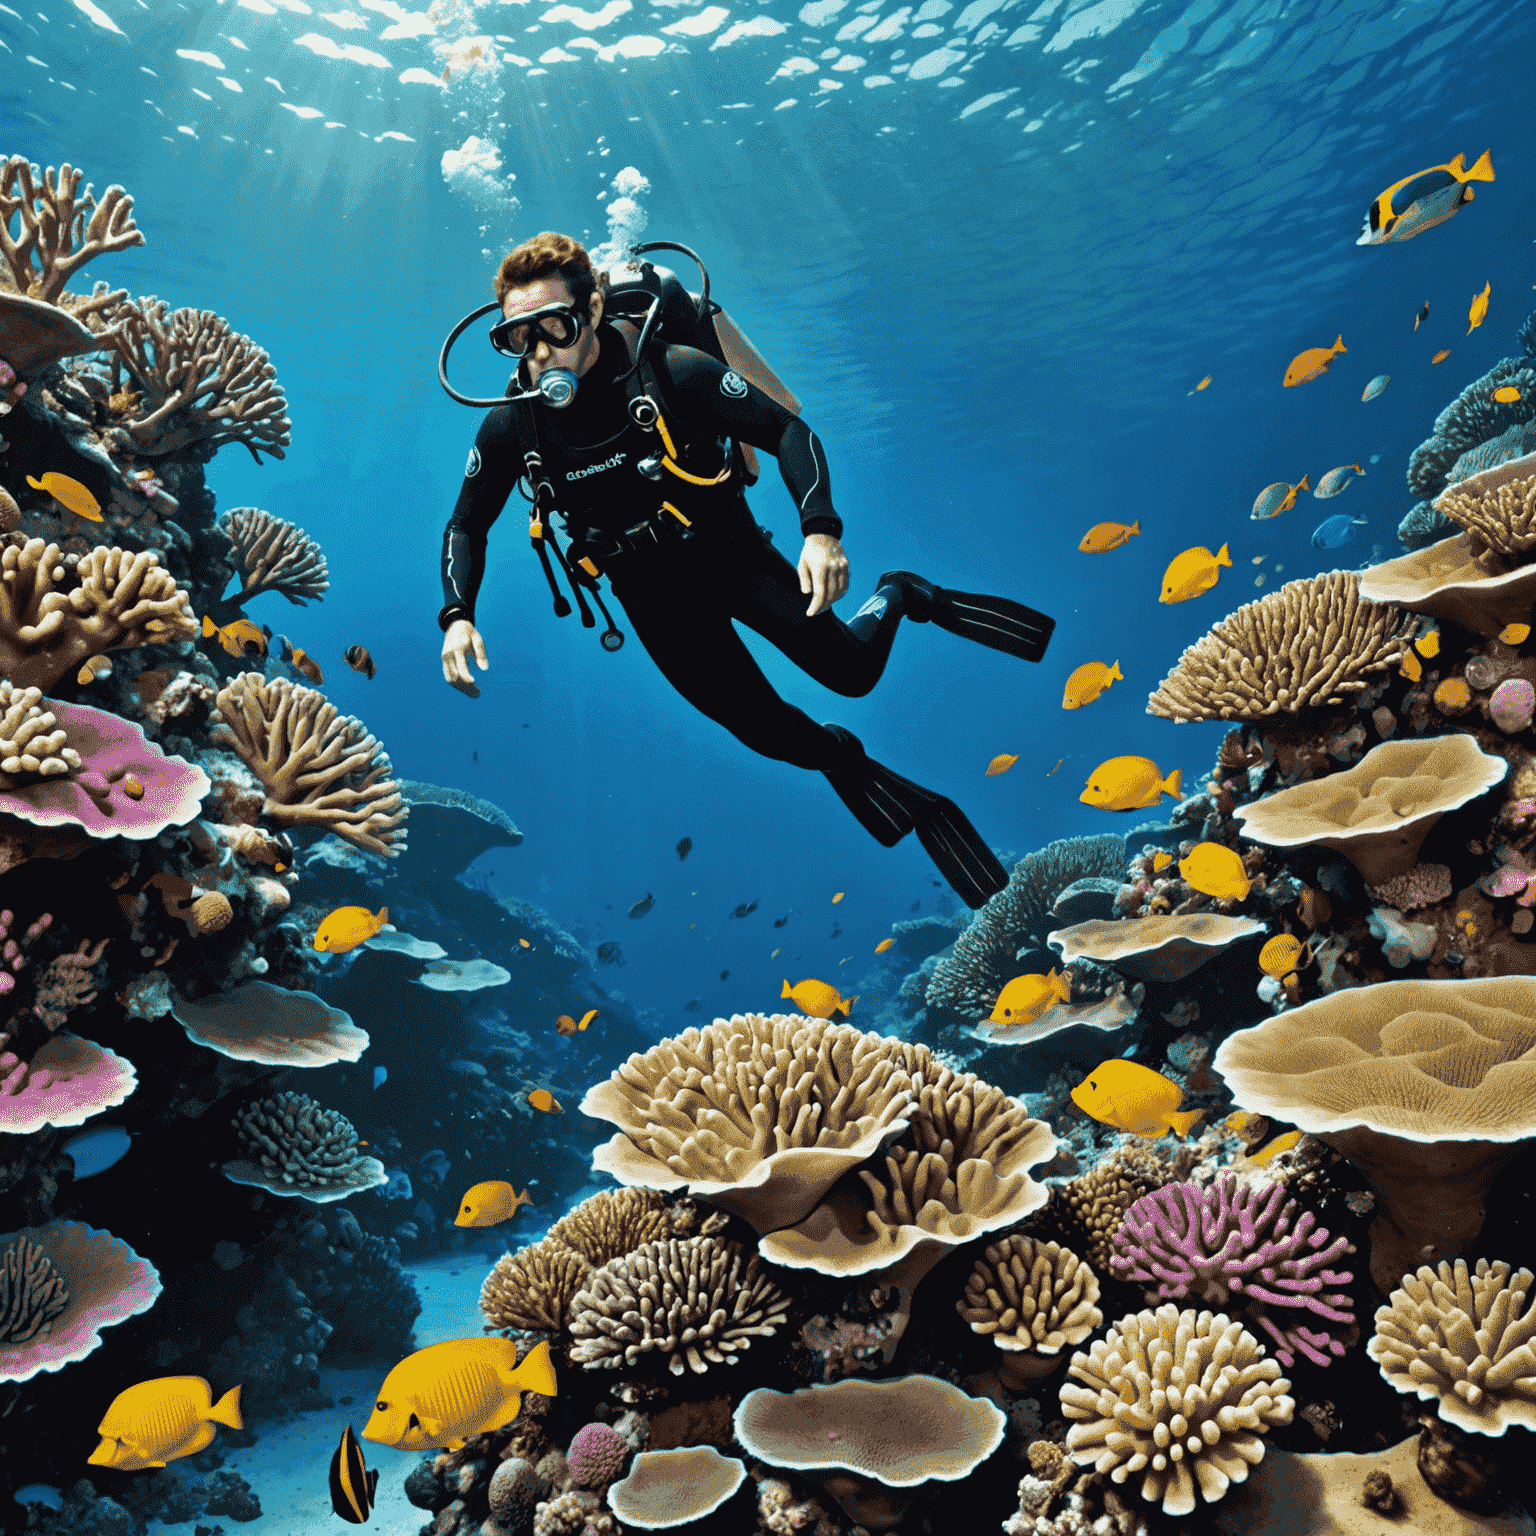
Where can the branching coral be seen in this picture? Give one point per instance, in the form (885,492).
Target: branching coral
(1472,418)
(53,616)
(697,1299)
(1498,507)
(533,1288)
(32,744)
(320,768)
(613,1222)
(65,984)
(294,1146)
(1032,1298)
(1094,1205)
(32,1293)
(275,556)
(1237,1242)
(1181,1398)
(1310,644)
(1460,1339)
(54,239)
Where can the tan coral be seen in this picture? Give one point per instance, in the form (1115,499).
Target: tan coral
(1155,948)
(533,1288)
(678,1487)
(32,743)
(1032,1298)
(1464,1340)
(613,1222)
(54,238)
(52,618)
(1095,1204)
(274,556)
(1498,507)
(1311,644)
(209,912)
(320,768)
(757,1114)
(698,1301)
(1378,813)
(1448,580)
(1180,1397)
(1428,1086)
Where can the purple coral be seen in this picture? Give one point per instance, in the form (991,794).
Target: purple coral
(596,1455)
(1237,1240)
(12,952)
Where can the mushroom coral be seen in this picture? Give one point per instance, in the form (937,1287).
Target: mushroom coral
(257,1021)
(677,1487)
(295,1146)
(1498,507)
(1155,948)
(1465,1341)
(1180,1397)
(1310,644)
(1378,813)
(1427,1086)
(1448,580)
(756,1114)
(865,1442)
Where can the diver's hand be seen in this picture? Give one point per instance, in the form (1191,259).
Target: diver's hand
(823,571)
(462,639)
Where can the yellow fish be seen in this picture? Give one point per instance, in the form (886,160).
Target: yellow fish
(1001,764)
(300,660)
(1193,572)
(353,1482)
(1515,634)
(1311,364)
(1479,310)
(489,1203)
(1441,355)
(1103,537)
(1238,1120)
(347,927)
(1216,871)
(1160,862)
(1506,394)
(438,1397)
(818,999)
(566,1025)
(525,944)
(1130,784)
(880,948)
(97,666)
(69,493)
(1088,682)
(837,896)
(158,1421)
(1267,1154)
(1411,667)
(1428,644)
(1026,998)
(1203,384)
(1277,498)
(235,636)
(1419,202)
(545,1102)
(1133,1098)
(1282,955)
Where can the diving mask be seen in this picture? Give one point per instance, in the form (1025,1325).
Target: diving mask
(557,324)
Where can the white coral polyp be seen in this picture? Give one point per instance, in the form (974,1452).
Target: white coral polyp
(1178,1396)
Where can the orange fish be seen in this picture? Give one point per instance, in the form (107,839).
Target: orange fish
(1441,355)
(1311,364)
(235,636)
(568,1026)
(545,1102)
(1001,764)
(880,948)
(837,898)
(1203,384)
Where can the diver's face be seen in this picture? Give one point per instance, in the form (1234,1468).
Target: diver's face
(538,295)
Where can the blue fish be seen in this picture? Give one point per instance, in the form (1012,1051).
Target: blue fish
(380,1076)
(96,1151)
(1333,531)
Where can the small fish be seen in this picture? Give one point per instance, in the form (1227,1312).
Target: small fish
(1258,581)
(817,999)
(1268,1153)
(607,954)
(1441,355)
(1313,908)
(1160,862)
(161,1420)
(880,948)
(1506,394)
(1193,572)
(1380,382)
(684,847)
(524,944)
(1001,764)
(97,666)
(380,1077)
(1411,667)
(347,927)
(1311,364)
(725,975)
(1239,1120)
(1419,202)
(693,1005)
(352,1483)
(1428,644)
(774,954)
(744,909)
(1133,1098)
(69,493)
(95,1151)
(438,1397)
(1275,499)
(1103,537)
(1216,871)
(1336,479)
(490,1203)
(1130,784)
(1479,310)
(300,660)
(1027,998)
(1334,531)
(779,922)
(837,896)
(1203,384)
(566,1025)
(357,657)
(1422,315)
(545,1102)
(1059,762)
(235,636)
(1514,634)
(1283,954)
(1088,682)
(644,905)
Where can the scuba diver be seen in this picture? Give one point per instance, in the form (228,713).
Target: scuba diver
(639,433)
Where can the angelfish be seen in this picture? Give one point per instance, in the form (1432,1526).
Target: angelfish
(352,1483)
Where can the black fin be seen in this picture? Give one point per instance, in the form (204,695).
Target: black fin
(998,622)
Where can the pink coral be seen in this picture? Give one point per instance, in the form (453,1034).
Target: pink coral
(66,1081)
(12,951)
(596,1455)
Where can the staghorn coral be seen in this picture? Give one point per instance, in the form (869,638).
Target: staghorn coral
(53,239)
(1015,921)
(698,1299)
(196,383)
(1181,1398)
(533,1288)
(1498,507)
(613,1222)
(1094,1205)
(65,984)
(294,1146)
(55,613)
(319,767)
(1032,1298)
(32,744)
(1312,643)
(1464,1340)
(33,1294)
(677,1487)
(1471,419)
(1240,1242)
(275,556)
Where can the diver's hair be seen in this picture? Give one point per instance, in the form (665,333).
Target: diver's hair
(551,255)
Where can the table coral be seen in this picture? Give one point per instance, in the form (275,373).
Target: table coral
(274,556)
(1448,581)
(54,239)
(679,1487)
(294,1146)
(276,1026)
(63,1082)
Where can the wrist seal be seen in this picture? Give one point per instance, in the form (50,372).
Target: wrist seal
(451,613)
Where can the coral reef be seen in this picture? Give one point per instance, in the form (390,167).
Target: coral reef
(534,1287)
(274,556)
(294,1146)
(1092,1207)
(59,228)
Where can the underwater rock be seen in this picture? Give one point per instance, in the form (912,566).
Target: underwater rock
(1401,941)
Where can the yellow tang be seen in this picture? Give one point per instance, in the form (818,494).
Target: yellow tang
(1088,682)
(1130,784)
(1203,384)
(817,999)
(158,1421)
(1281,955)
(1441,355)
(1428,644)
(545,1102)
(438,1397)
(837,896)
(69,493)
(1133,1098)
(488,1203)
(1515,634)
(1216,871)
(1479,310)
(1193,572)
(1160,862)
(1001,763)
(347,927)
(1267,1154)
(1026,998)
(882,946)
(1506,394)
(97,666)
(1311,364)
(1103,537)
